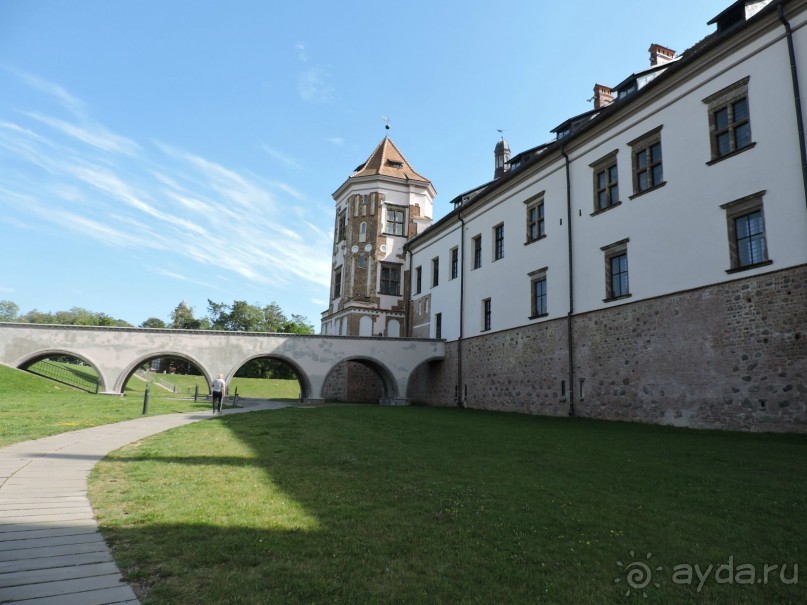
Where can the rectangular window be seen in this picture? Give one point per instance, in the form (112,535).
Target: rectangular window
(498,241)
(391,280)
(647,166)
(361,261)
(616,270)
(606,183)
(418,279)
(435,271)
(341,223)
(395,220)
(455,262)
(729,120)
(438,325)
(746,229)
(538,294)
(486,314)
(619,275)
(535,219)
(337,283)
(477,241)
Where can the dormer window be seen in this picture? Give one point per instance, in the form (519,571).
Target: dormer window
(394,164)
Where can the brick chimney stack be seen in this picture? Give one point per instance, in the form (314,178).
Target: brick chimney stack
(659,55)
(602,96)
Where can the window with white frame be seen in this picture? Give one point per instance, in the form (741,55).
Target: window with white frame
(395,220)
(390,279)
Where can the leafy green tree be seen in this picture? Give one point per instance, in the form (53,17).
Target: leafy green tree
(8,310)
(153,322)
(182,318)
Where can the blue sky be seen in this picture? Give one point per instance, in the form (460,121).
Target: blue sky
(155,151)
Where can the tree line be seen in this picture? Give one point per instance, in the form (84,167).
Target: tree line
(239,316)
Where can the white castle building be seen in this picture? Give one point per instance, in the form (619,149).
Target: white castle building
(649,263)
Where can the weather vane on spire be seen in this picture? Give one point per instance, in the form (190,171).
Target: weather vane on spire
(500,131)
(386,120)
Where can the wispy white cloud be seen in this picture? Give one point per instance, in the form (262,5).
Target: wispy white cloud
(90,133)
(83,178)
(313,87)
(302,55)
(282,157)
(338,141)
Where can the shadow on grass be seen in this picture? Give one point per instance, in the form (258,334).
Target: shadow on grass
(357,504)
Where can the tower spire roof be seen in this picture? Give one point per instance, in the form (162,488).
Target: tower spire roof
(386,160)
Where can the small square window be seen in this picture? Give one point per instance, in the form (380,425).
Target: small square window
(395,220)
(391,280)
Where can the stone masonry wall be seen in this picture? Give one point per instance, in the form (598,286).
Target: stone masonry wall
(731,356)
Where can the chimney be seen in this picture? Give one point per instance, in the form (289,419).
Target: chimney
(659,55)
(602,96)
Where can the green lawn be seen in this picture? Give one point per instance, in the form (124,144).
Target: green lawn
(364,504)
(33,407)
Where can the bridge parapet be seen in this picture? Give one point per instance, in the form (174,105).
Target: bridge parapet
(116,353)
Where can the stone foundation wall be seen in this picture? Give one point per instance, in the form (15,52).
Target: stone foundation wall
(732,356)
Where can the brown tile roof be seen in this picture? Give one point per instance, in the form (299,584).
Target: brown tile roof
(386,160)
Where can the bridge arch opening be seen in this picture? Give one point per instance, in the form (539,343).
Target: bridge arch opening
(272,377)
(167,373)
(66,368)
(420,385)
(359,380)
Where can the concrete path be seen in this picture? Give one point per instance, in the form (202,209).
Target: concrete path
(50,549)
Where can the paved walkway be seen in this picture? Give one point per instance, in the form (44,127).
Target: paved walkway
(50,549)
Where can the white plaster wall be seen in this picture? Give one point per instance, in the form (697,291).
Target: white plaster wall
(677,234)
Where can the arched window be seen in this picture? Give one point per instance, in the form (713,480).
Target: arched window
(363,232)
(393,328)
(366,326)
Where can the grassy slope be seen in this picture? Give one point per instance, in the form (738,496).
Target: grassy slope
(361,504)
(33,407)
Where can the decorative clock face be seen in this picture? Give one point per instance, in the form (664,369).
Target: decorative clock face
(368,247)
(354,249)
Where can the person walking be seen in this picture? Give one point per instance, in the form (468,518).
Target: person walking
(218,387)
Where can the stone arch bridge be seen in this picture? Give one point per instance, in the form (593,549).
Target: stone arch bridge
(116,353)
